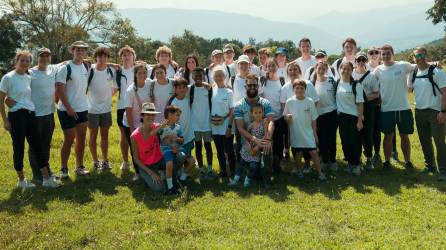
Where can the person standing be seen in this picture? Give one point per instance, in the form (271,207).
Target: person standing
(306,60)
(20,121)
(349,50)
(429,85)
(72,108)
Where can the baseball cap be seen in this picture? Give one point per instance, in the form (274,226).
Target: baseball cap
(149,108)
(249,47)
(79,44)
(43,51)
(243,58)
(216,52)
(320,52)
(228,47)
(281,51)
(360,54)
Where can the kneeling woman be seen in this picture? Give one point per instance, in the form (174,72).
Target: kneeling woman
(21,120)
(146,150)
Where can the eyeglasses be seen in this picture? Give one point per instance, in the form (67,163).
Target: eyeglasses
(420,56)
(373,52)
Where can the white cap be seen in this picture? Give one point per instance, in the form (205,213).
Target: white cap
(243,58)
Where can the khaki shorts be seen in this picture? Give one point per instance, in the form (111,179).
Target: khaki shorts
(203,136)
(99,120)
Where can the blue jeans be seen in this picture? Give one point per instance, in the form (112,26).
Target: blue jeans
(251,168)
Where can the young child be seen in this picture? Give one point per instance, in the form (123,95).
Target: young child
(251,154)
(181,100)
(300,113)
(171,138)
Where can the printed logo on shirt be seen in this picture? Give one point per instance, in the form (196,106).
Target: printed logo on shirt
(397,73)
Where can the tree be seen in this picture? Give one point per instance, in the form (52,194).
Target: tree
(9,39)
(57,23)
(438,12)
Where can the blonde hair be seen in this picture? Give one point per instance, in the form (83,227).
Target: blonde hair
(127,48)
(163,49)
(23,53)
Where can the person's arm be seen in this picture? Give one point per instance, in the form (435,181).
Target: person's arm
(141,165)
(441,117)
(313,125)
(6,123)
(60,92)
(231,121)
(360,109)
(129,115)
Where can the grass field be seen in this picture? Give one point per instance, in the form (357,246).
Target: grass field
(378,210)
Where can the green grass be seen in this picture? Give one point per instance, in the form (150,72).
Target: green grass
(396,210)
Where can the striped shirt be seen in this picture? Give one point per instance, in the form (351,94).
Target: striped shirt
(242,110)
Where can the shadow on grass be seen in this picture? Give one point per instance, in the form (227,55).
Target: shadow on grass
(81,190)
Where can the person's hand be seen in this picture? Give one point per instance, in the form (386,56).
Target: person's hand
(10,102)
(180,140)
(254,151)
(359,125)
(72,113)
(156,178)
(228,132)
(267,146)
(7,125)
(288,118)
(316,139)
(441,118)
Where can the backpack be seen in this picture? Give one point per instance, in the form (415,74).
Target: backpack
(90,77)
(430,76)
(152,74)
(338,65)
(232,81)
(191,97)
(69,70)
(152,89)
(360,81)
(119,77)
(264,79)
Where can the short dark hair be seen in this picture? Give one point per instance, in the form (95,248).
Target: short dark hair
(349,40)
(299,82)
(171,109)
(387,47)
(102,51)
(159,66)
(179,82)
(304,40)
(198,69)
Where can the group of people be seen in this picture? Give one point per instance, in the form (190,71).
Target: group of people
(255,114)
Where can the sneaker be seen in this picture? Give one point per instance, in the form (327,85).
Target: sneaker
(333,166)
(247,182)
(356,170)
(408,165)
(64,173)
(307,169)
(232,183)
(369,165)
(182,183)
(81,171)
(387,165)
(428,169)
(124,165)
(50,183)
(135,177)
(442,177)
(25,184)
(395,156)
(106,165)
(376,159)
(171,192)
(322,177)
(97,166)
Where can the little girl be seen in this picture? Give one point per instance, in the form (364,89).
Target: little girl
(251,154)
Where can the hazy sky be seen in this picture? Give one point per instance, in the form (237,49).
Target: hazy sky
(290,10)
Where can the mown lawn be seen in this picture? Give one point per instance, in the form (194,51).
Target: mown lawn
(379,210)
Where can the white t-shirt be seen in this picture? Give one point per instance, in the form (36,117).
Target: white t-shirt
(75,88)
(200,113)
(221,105)
(210,75)
(18,88)
(281,72)
(335,66)
(100,91)
(370,84)
(254,69)
(309,75)
(43,89)
(185,118)
(306,64)
(132,102)
(345,99)
(393,86)
(327,100)
(301,130)
(288,92)
(238,89)
(271,91)
(424,95)
(162,94)
(125,83)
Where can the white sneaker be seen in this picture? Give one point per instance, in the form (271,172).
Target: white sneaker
(247,182)
(25,184)
(232,183)
(136,177)
(50,183)
(81,171)
(124,165)
(356,170)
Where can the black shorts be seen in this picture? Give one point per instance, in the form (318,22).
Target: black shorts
(68,122)
(120,116)
(305,151)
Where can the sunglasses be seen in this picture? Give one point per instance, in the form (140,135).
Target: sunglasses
(374,52)
(420,56)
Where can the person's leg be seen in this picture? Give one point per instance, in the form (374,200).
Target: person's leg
(229,149)
(149,181)
(425,136)
(316,160)
(278,144)
(124,145)
(45,130)
(388,122)
(388,146)
(376,131)
(127,135)
(104,142)
(18,132)
(367,131)
(65,150)
(322,134)
(220,145)
(92,144)
(198,149)
(438,132)
(332,136)
(79,147)
(238,145)
(344,133)
(207,138)
(169,174)
(406,128)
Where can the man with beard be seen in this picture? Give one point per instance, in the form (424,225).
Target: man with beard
(243,119)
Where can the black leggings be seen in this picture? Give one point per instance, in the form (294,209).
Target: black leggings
(350,138)
(45,126)
(369,127)
(127,135)
(199,155)
(225,146)
(327,126)
(377,130)
(24,125)
(280,129)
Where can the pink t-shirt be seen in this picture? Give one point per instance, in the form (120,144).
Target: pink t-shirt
(149,150)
